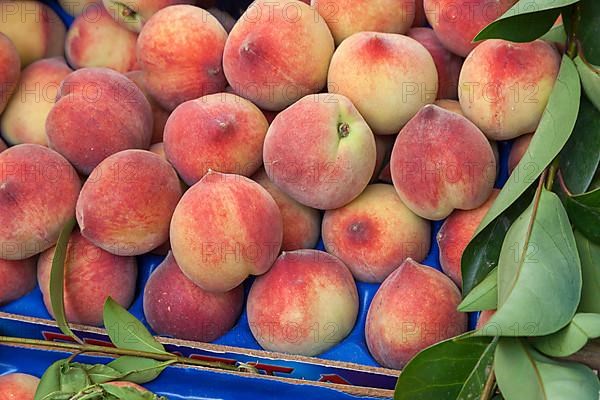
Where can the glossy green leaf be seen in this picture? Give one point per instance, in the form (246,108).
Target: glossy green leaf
(588,29)
(50,381)
(137,369)
(128,393)
(100,373)
(590,80)
(539,272)
(556,34)
(449,370)
(483,296)
(584,212)
(126,332)
(572,337)
(589,253)
(523,373)
(73,378)
(553,131)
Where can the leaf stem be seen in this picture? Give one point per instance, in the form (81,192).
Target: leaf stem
(490,383)
(563,185)
(552,173)
(572,40)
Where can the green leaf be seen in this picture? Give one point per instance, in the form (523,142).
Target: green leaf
(137,369)
(483,296)
(523,373)
(571,338)
(129,393)
(126,332)
(539,272)
(57,279)
(589,253)
(584,212)
(590,80)
(50,381)
(526,21)
(100,373)
(551,135)
(556,34)
(453,369)
(588,29)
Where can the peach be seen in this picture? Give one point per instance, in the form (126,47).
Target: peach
(305,304)
(320,151)
(2,146)
(346,17)
(77,7)
(484,318)
(375,233)
(99,41)
(518,150)
(414,308)
(301,224)
(189,313)
(135,217)
(448,65)
(442,161)
(386,174)
(450,105)
(223,17)
(159,150)
(262,66)
(17,278)
(504,86)
(10,70)
(456,233)
(24,120)
(38,192)
(222,132)
(180,51)
(159,114)
(91,276)
(133,14)
(98,112)
(225,228)
(420,18)
(457,22)
(17,386)
(36,31)
(373,71)
(383,150)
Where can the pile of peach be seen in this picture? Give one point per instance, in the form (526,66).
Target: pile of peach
(235,152)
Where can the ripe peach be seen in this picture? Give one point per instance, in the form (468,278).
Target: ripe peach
(320,151)
(223,17)
(262,66)
(504,86)
(225,228)
(100,41)
(135,217)
(17,386)
(189,313)
(371,69)
(456,233)
(91,276)
(17,278)
(518,150)
(301,224)
(448,65)
(442,161)
(305,304)
(180,51)
(450,105)
(346,17)
(420,18)
(374,233)
(457,22)
(414,308)
(38,192)
(383,151)
(134,14)
(10,70)
(222,132)
(98,112)
(159,150)
(36,31)
(2,146)
(24,120)
(484,317)
(77,7)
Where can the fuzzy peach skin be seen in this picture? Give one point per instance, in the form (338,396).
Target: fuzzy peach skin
(388,77)
(98,112)
(374,233)
(17,386)
(24,120)
(180,51)
(262,66)
(484,317)
(36,31)
(2,146)
(225,228)
(159,114)
(38,192)
(159,150)
(457,22)
(442,161)
(456,233)
(10,70)
(190,312)
(504,86)
(90,8)
(420,18)
(223,17)
(125,206)
(517,151)
(450,105)
(100,41)
(17,278)
(320,151)
(414,308)
(91,276)
(383,151)
(305,304)
(346,17)
(448,65)
(222,132)
(134,14)
(301,224)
